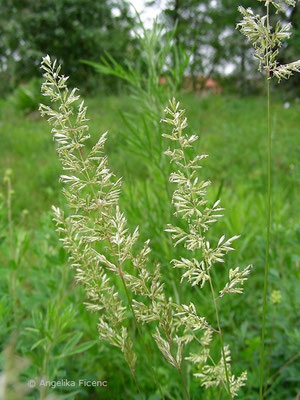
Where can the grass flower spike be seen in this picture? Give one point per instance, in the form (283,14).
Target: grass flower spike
(267,40)
(191,205)
(92,195)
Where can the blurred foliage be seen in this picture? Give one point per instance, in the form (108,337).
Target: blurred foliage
(151,81)
(71,30)
(27,97)
(207,32)
(66,29)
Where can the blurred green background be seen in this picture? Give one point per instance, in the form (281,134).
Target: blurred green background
(127,66)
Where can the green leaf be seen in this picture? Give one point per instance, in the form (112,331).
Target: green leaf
(79,349)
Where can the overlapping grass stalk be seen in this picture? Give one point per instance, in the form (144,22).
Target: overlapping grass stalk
(102,249)
(266,41)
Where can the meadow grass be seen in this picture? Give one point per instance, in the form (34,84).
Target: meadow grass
(231,131)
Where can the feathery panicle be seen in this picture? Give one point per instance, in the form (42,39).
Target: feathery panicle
(214,375)
(191,205)
(267,40)
(92,195)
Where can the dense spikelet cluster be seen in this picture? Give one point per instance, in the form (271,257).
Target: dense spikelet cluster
(191,205)
(100,245)
(267,40)
(92,194)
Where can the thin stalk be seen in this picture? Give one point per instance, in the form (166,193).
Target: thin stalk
(266,267)
(271,349)
(220,336)
(185,391)
(46,360)
(137,385)
(220,393)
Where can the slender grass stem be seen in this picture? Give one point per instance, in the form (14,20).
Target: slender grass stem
(184,388)
(268,368)
(266,267)
(137,385)
(220,336)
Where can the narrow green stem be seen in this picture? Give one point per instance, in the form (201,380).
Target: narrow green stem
(268,369)
(137,385)
(46,360)
(220,393)
(185,391)
(266,267)
(220,336)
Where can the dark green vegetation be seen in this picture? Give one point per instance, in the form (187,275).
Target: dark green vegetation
(70,30)
(67,29)
(39,301)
